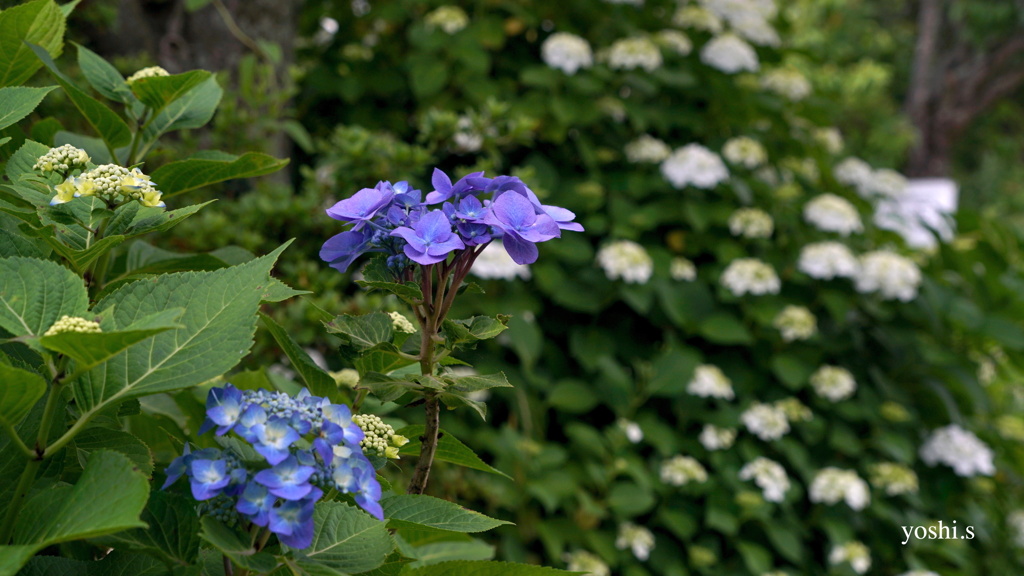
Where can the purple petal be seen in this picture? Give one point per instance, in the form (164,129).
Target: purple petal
(521,251)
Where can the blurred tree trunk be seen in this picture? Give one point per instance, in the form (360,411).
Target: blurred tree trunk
(952,82)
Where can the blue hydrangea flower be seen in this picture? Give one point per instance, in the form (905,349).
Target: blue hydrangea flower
(288,479)
(208,478)
(430,240)
(223,408)
(444,189)
(274,439)
(256,502)
(363,205)
(521,226)
(292,521)
(342,249)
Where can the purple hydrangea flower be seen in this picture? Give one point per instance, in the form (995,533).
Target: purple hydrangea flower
(288,479)
(255,503)
(223,408)
(274,439)
(342,249)
(363,205)
(430,240)
(209,477)
(521,226)
(444,189)
(292,521)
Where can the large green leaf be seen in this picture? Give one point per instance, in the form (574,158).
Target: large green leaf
(93,348)
(20,391)
(21,162)
(172,535)
(238,549)
(107,498)
(16,102)
(185,175)
(217,331)
(363,332)
(102,76)
(348,539)
(36,293)
(449,449)
(55,566)
(320,383)
(157,92)
(192,110)
(446,551)
(484,568)
(415,511)
(105,121)
(392,566)
(95,439)
(40,22)
(159,220)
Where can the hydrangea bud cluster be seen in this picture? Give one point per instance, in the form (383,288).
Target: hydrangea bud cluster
(744,151)
(680,470)
(682,269)
(766,421)
(855,553)
(647,150)
(830,138)
(694,165)
(830,213)
(150,72)
(751,223)
(795,323)
(710,382)
(62,159)
(450,19)
(769,475)
(72,324)
(380,438)
(750,276)
(586,562)
(459,218)
(566,52)
(832,485)
(637,538)
(833,382)
(113,184)
(633,53)
(400,323)
(959,449)
(305,445)
(675,41)
(828,260)
(892,276)
(714,438)
(626,260)
(894,479)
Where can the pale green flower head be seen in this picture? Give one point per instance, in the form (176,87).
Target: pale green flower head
(450,19)
(150,72)
(73,324)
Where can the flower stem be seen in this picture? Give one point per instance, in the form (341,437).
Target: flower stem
(432,407)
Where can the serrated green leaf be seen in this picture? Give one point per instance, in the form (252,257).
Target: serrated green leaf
(68,8)
(409,291)
(186,175)
(757,559)
(160,220)
(55,566)
(236,547)
(382,358)
(417,511)
(385,388)
(453,401)
(40,22)
(17,102)
(21,162)
(95,439)
(437,552)
(36,293)
(107,498)
(90,349)
(20,391)
(363,332)
(484,568)
(478,382)
(449,449)
(348,539)
(102,76)
(122,563)
(392,566)
(107,124)
(192,110)
(278,291)
(319,382)
(157,92)
(218,327)
(172,535)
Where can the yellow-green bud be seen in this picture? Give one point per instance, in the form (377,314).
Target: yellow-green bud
(400,323)
(72,324)
(62,159)
(150,72)
(346,378)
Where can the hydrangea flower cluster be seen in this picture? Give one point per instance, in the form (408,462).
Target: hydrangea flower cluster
(694,165)
(786,82)
(647,149)
(730,54)
(633,53)
(831,485)
(72,324)
(828,260)
(682,269)
(450,19)
(400,323)
(675,41)
(455,218)
(62,159)
(751,223)
(769,475)
(697,18)
(795,323)
(566,52)
(380,438)
(855,553)
(631,429)
(831,213)
(744,151)
(495,263)
(710,382)
(833,382)
(112,183)
(680,470)
(586,562)
(278,490)
(892,276)
(637,538)
(750,276)
(627,260)
(766,421)
(894,479)
(869,182)
(959,449)
(150,72)
(714,438)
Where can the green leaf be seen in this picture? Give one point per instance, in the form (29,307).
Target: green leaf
(236,547)
(192,110)
(671,369)
(95,439)
(22,161)
(348,539)
(476,382)
(173,532)
(90,349)
(17,102)
(160,220)
(217,331)
(382,358)
(409,292)
(55,566)
(453,401)
(446,551)
(484,568)
(103,77)
(724,328)
(186,175)
(107,498)
(416,511)
(20,391)
(106,122)
(449,449)
(157,92)
(36,293)
(68,8)
(40,22)
(757,559)
(278,291)
(320,383)
(791,370)
(484,327)
(363,332)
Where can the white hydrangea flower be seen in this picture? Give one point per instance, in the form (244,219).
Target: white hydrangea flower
(583,561)
(920,573)
(694,165)
(756,29)
(682,269)
(566,52)
(637,538)
(830,213)
(893,276)
(751,223)
(894,479)
(828,260)
(744,151)
(750,276)
(1015,520)
(886,182)
(495,263)
(400,323)
(627,260)
(855,173)
(675,41)
(631,429)
(855,553)
(710,382)
(680,470)
(466,138)
(714,438)
(830,138)
(647,150)
(150,72)
(61,159)
(72,324)
(959,449)
(697,18)
(832,485)
(451,19)
(730,54)
(633,53)
(788,83)
(795,323)
(833,382)
(765,421)
(769,475)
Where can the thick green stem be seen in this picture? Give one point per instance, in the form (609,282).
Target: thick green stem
(18,442)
